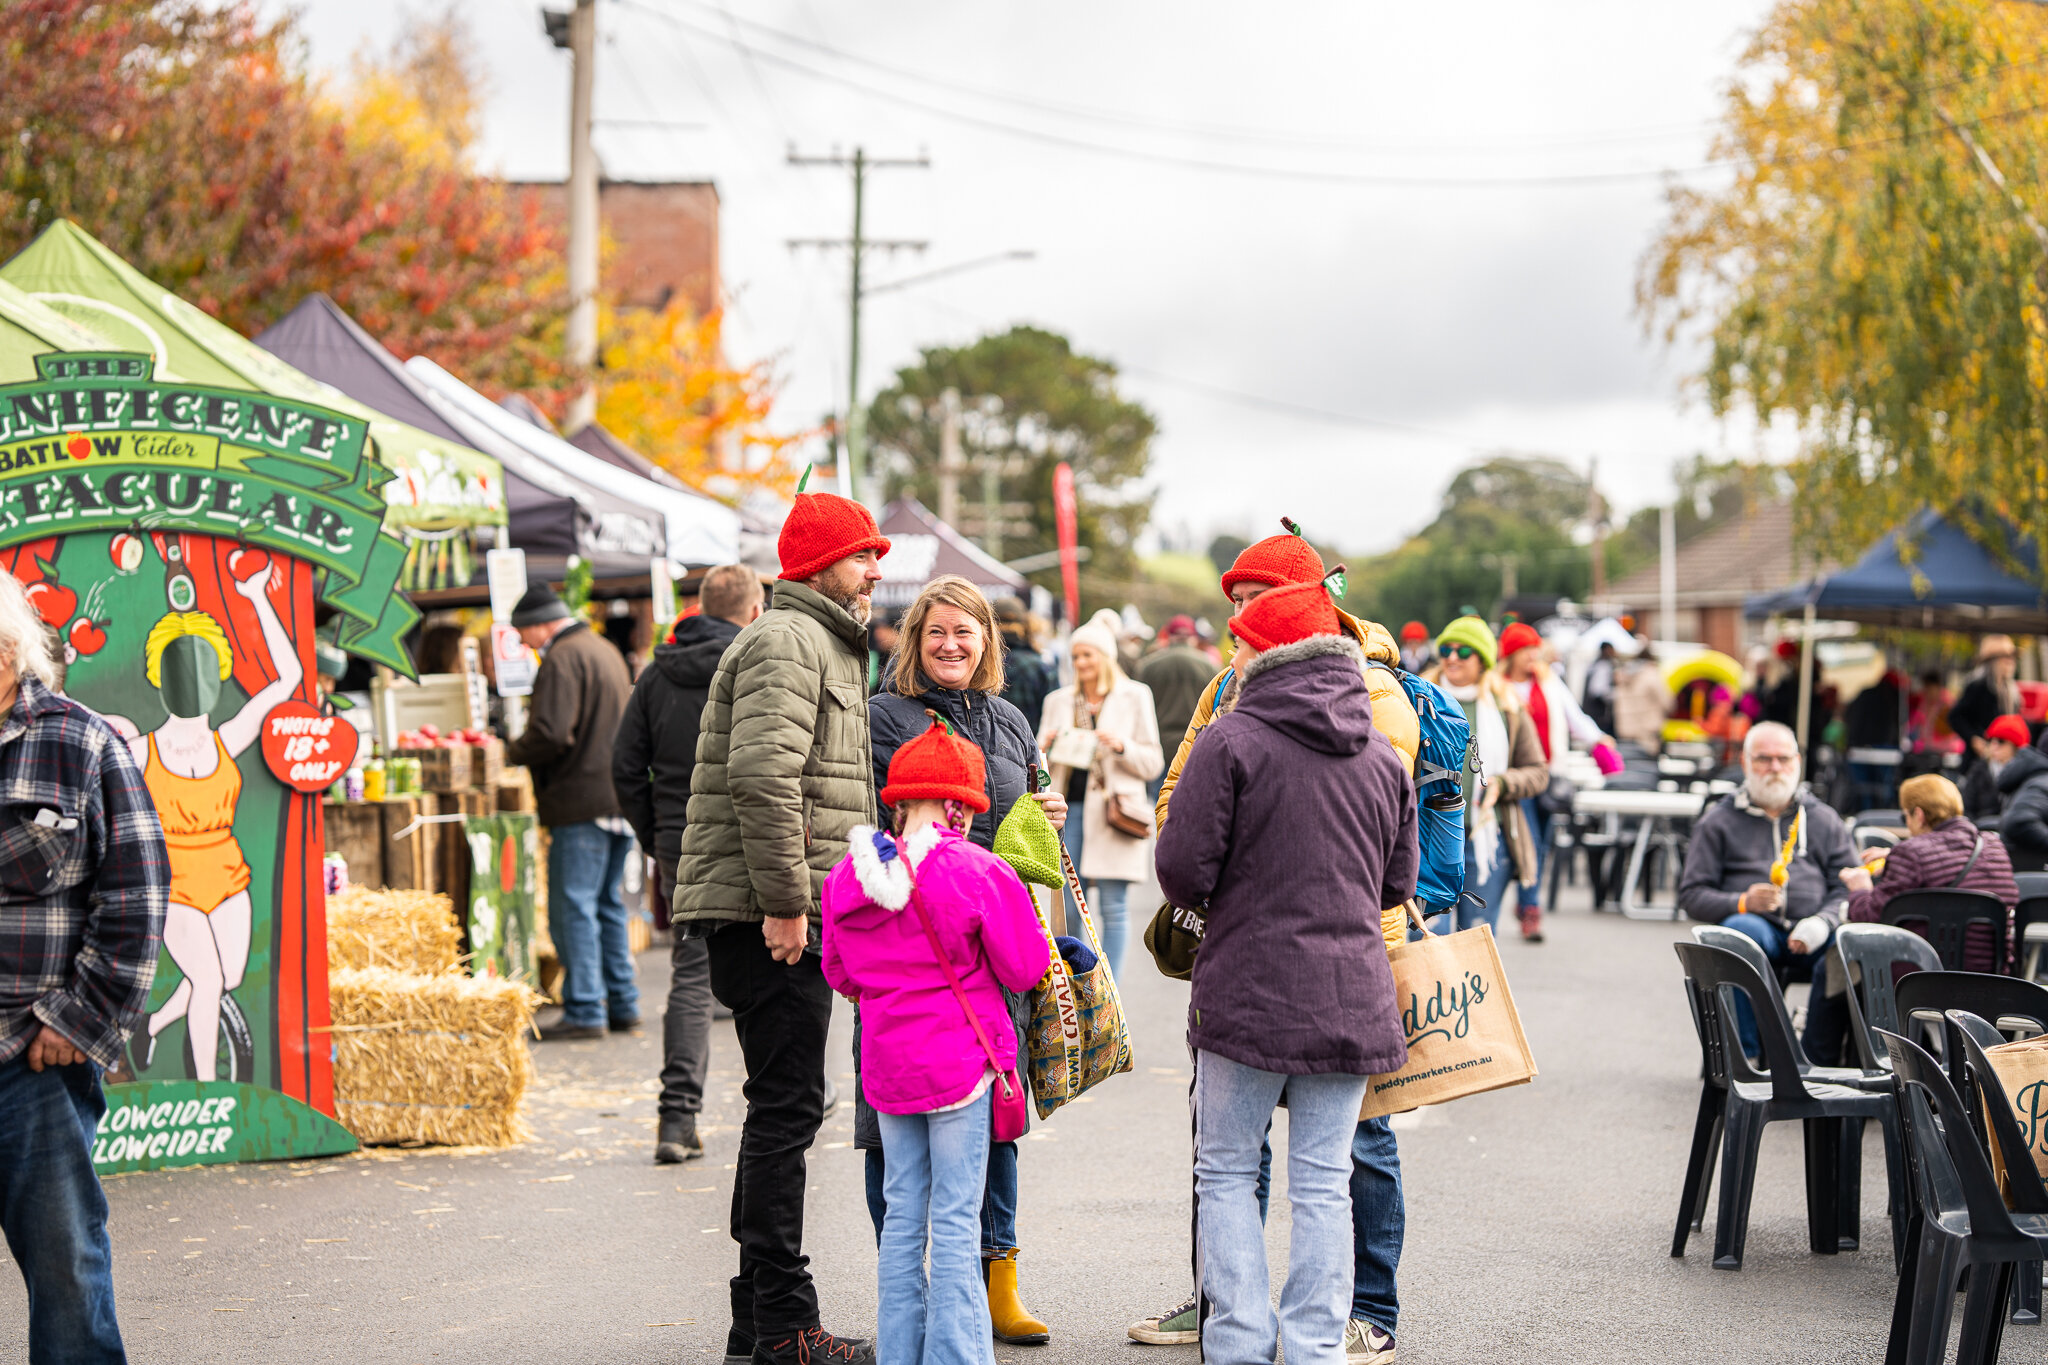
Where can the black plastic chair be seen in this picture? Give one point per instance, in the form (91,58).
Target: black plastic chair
(1959,1221)
(1738,1102)
(1984,1095)
(1870,950)
(1944,917)
(2031,910)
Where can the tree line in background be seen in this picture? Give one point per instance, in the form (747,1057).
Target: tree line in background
(189,137)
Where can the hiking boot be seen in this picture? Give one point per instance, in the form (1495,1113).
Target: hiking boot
(677,1142)
(813,1346)
(1365,1344)
(739,1348)
(1013,1323)
(562,1031)
(624,1023)
(1177,1326)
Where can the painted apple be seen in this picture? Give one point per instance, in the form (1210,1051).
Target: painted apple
(54,602)
(77,447)
(86,636)
(508,867)
(244,564)
(126,552)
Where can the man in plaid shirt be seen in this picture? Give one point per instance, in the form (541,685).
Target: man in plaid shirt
(83,885)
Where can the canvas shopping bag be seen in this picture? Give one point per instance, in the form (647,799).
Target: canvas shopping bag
(1077,1037)
(2022,1069)
(1464,1036)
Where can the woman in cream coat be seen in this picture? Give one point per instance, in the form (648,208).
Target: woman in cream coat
(1127,756)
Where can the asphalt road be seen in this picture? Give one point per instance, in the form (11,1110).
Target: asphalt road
(1539,1218)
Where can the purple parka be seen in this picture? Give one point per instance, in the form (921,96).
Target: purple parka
(1294,823)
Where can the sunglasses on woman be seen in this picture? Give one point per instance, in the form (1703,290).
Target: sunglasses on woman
(1462,651)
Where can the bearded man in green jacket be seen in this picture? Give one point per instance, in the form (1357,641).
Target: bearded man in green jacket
(784,772)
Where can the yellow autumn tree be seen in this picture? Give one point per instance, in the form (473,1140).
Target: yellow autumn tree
(667,389)
(1876,266)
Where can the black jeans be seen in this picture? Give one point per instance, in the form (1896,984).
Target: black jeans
(686,1027)
(781,1013)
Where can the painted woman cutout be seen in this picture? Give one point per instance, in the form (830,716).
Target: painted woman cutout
(190,771)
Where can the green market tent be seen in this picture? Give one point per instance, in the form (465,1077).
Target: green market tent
(68,274)
(442,490)
(29,328)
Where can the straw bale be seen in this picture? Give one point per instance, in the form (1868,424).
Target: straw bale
(440,1059)
(408,931)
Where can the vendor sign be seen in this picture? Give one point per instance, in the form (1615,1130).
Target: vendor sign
(177,537)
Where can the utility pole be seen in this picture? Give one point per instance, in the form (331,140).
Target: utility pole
(951,464)
(852,465)
(1596,514)
(576,30)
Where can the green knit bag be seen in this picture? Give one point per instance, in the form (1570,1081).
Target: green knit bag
(1027,841)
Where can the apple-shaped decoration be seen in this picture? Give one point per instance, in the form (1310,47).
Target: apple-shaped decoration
(77,447)
(54,602)
(245,563)
(87,636)
(126,551)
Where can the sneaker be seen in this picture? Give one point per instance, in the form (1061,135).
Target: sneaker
(814,1346)
(1365,1344)
(1177,1326)
(739,1349)
(625,1023)
(676,1142)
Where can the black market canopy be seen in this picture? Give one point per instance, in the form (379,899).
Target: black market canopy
(1928,574)
(550,515)
(921,548)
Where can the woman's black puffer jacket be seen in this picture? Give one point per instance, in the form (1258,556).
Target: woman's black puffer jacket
(1008,749)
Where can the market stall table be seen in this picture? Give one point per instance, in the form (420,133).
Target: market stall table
(1657,814)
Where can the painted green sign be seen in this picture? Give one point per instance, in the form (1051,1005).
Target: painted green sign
(96,444)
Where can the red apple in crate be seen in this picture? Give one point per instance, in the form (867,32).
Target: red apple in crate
(86,636)
(54,602)
(126,552)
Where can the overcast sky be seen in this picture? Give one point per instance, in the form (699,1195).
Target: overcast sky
(1443,320)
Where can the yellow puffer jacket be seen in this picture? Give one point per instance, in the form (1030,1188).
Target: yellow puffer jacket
(1392,715)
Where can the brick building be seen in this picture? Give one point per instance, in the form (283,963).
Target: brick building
(1718,570)
(661,238)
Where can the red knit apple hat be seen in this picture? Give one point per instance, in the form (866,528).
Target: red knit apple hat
(822,529)
(1518,635)
(1277,561)
(937,767)
(1282,616)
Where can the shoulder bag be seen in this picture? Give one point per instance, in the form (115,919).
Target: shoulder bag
(1006,1107)
(1078,1037)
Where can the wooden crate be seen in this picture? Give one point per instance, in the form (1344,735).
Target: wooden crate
(515,790)
(408,862)
(441,770)
(487,763)
(355,830)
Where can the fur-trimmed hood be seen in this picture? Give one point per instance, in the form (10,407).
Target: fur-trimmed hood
(1313,692)
(883,863)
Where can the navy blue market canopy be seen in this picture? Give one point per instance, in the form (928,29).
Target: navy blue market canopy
(1952,583)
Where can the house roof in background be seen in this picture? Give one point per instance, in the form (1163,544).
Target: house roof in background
(1726,565)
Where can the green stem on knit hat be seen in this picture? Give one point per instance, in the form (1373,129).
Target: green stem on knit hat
(1287,525)
(1333,582)
(804,480)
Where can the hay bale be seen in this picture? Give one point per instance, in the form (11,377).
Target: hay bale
(406,931)
(440,1059)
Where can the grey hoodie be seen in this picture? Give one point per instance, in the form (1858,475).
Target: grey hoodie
(1734,845)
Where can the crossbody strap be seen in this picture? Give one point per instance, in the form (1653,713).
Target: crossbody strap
(953,980)
(1964,875)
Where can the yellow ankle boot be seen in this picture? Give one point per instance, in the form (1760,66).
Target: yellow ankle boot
(1013,1324)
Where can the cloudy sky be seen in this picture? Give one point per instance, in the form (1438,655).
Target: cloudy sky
(1339,249)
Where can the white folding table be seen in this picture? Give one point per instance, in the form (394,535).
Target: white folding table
(1656,810)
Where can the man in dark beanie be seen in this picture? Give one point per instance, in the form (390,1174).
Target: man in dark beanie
(784,772)
(652,760)
(578,696)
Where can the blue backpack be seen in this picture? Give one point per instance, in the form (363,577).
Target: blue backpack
(1441,756)
(1440,760)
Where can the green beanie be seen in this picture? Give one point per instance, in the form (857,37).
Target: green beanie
(1470,630)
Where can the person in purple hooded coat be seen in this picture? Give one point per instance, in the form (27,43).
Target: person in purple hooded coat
(1294,822)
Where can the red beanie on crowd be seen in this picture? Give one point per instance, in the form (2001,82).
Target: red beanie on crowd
(1276,561)
(2011,729)
(1282,616)
(1414,632)
(1518,636)
(822,529)
(937,767)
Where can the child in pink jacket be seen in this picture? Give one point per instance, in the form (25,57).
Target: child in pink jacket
(922,1067)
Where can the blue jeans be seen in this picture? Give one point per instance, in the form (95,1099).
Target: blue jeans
(587,921)
(1233,1105)
(936,1168)
(54,1213)
(998,1200)
(1481,902)
(1827,1018)
(1105,902)
(1539,830)
(1379,1224)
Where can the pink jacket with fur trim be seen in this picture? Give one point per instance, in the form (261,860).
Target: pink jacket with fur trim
(917,1051)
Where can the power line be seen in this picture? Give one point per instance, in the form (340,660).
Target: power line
(1293,409)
